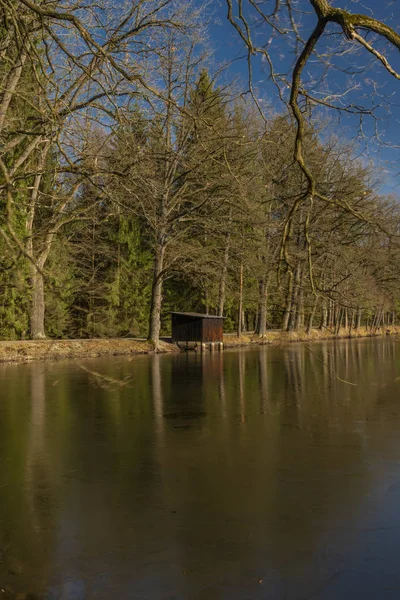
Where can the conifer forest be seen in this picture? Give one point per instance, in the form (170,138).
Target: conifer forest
(140,175)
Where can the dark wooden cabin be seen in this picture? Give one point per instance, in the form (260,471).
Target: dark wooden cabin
(195,327)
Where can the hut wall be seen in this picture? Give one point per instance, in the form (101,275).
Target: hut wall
(212,330)
(186,329)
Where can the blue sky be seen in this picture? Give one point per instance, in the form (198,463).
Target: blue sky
(365,80)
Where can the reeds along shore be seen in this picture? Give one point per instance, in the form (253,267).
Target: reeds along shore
(30,351)
(280,337)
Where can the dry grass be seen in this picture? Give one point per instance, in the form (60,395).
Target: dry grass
(27,351)
(280,337)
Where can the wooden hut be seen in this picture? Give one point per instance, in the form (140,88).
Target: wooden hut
(196,327)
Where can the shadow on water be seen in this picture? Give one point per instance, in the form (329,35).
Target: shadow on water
(267,473)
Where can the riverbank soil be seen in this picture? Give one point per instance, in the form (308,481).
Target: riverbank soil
(32,350)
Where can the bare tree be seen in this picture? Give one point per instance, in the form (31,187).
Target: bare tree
(64,66)
(333,52)
(178,178)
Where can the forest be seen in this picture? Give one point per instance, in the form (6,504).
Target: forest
(137,178)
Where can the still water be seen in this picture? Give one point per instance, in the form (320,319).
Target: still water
(269,473)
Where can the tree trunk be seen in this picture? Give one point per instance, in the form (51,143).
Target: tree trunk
(256,321)
(206,303)
(324,316)
(331,315)
(288,307)
(261,327)
(240,307)
(351,322)
(222,283)
(156,298)
(337,313)
(243,321)
(37,306)
(37,312)
(379,318)
(338,320)
(299,324)
(311,316)
(358,321)
(295,300)
(206,300)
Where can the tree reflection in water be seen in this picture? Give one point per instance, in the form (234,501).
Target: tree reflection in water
(204,476)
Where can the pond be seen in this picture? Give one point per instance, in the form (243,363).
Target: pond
(248,474)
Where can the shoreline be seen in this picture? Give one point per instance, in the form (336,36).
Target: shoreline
(26,351)
(276,337)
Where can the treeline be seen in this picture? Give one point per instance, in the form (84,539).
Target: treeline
(134,183)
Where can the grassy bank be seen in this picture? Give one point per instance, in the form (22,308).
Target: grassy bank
(31,350)
(28,351)
(280,337)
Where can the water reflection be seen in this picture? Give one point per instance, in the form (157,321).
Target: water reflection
(268,473)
